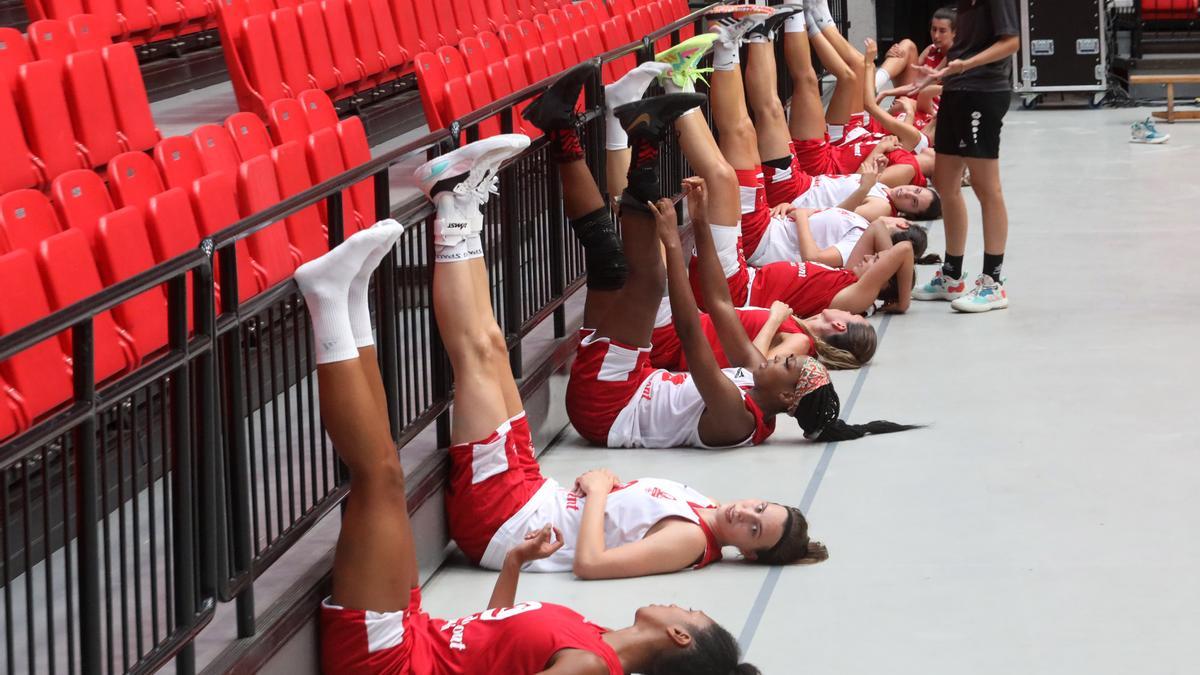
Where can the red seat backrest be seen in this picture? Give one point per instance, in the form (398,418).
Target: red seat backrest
(324,154)
(258,189)
(306,233)
(133,179)
(46,118)
(89,31)
(18,169)
(178,161)
(249,135)
(123,250)
(287,121)
(215,210)
(39,374)
(473,54)
(404,20)
(70,274)
(431,81)
(129,98)
(317,51)
(13,52)
(453,62)
(50,39)
(216,149)
(394,52)
(289,50)
(356,151)
(318,109)
(341,42)
(257,48)
(26,218)
(91,105)
(81,200)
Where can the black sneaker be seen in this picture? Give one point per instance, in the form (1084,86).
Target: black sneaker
(772,23)
(652,117)
(555,108)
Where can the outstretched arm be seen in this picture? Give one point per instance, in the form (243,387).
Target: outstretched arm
(909,137)
(721,396)
(537,545)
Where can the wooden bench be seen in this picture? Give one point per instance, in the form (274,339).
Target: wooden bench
(1170,115)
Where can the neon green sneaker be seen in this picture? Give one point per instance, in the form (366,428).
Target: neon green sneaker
(683,58)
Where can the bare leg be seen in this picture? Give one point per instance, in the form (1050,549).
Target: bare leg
(847,93)
(739,141)
(635,307)
(762,93)
(947,177)
(581,196)
(617,171)
(808,114)
(707,160)
(985,182)
(375,565)
(899,67)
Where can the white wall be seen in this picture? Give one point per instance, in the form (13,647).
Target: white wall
(862,21)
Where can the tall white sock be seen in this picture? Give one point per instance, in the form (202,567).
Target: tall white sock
(631,87)
(726,240)
(360,307)
(795,23)
(470,247)
(725,56)
(325,283)
(883,80)
(819,10)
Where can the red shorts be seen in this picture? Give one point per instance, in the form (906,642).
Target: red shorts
(359,641)
(490,480)
(605,377)
(817,157)
(784,185)
(667,350)
(756,215)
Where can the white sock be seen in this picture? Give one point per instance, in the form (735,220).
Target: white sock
(820,12)
(795,23)
(325,283)
(883,80)
(631,87)
(814,27)
(725,56)
(470,247)
(726,240)
(360,307)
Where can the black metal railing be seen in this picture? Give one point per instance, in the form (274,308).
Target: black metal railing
(131,510)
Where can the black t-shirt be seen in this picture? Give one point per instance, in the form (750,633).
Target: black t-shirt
(980,24)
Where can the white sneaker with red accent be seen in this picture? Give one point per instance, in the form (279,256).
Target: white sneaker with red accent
(988,294)
(941,287)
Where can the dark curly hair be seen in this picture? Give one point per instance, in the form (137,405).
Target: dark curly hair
(713,652)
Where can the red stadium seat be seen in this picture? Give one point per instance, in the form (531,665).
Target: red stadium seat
(91,106)
(584,49)
(46,119)
(324,155)
(137,15)
(453,62)
(216,149)
(318,109)
(168,15)
(623,7)
(269,252)
(395,53)
(356,151)
(535,66)
(10,423)
(50,39)
(317,51)
(562,24)
(38,376)
(215,211)
(249,135)
(501,85)
(554,58)
(427,24)
(481,17)
(287,121)
(179,161)
(19,169)
(460,11)
(362,28)
(519,79)
(660,19)
(616,35)
(129,97)
(70,274)
(431,82)
(493,48)
(447,26)
(133,179)
(257,47)
(124,251)
(306,233)
(14,51)
(515,12)
(81,200)
(480,93)
(404,22)
(472,53)
(289,51)
(171,224)
(89,32)
(566,47)
(341,44)
(512,39)
(529,32)
(26,218)
(457,100)
(547,29)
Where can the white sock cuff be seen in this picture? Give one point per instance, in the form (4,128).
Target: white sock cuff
(922,145)
(616,139)
(795,23)
(725,57)
(726,240)
(883,80)
(467,249)
(333,338)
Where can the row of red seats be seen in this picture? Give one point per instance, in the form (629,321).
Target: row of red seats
(351,49)
(136,21)
(86,236)
(48,39)
(453,82)
(76,112)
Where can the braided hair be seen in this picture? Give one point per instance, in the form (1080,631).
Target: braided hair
(818,409)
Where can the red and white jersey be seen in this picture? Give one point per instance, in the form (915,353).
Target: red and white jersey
(518,640)
(836,228)
(826,192)
(629,513)
(665,413)
(935,58)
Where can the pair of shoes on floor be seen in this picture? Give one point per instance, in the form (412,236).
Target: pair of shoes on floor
(987,295)
(1146,132)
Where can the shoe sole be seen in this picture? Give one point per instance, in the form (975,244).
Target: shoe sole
(979,309)
(938,296)
(1156,141)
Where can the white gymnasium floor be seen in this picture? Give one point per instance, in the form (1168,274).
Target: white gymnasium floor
(1046,521)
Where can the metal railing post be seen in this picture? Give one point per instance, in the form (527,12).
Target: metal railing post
(182,521)
(207,439)
(512,240)
(88,523)
(385,310)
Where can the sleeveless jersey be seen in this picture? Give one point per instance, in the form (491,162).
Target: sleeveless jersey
(808,287)
(665,413)
(629,513)
(827,192)
(518,640)
(834,227)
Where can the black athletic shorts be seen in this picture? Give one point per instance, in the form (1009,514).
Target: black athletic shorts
(969,122)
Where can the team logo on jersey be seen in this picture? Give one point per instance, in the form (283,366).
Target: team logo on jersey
(659,493)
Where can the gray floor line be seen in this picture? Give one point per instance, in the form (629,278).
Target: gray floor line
(810,494)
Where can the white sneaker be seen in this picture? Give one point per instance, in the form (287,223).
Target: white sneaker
(941,287)
(1146,132)
(458,207)
(987,295)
